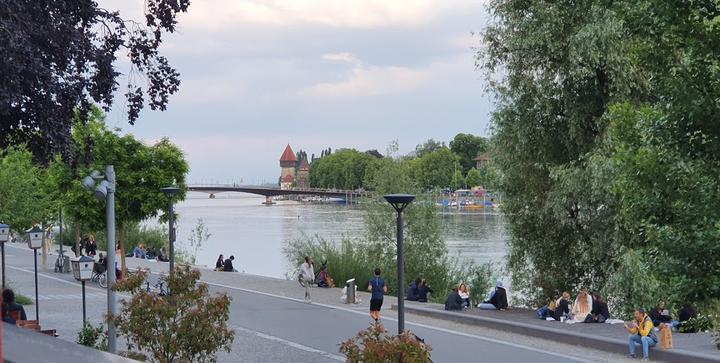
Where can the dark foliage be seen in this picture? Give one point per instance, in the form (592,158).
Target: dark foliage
(59,56)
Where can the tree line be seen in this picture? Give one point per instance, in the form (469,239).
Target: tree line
(432,166)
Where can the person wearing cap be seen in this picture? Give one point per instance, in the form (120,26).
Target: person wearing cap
(497,300)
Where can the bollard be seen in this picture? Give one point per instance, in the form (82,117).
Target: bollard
(350,285)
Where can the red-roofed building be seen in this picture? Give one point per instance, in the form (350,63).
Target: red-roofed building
(288,163)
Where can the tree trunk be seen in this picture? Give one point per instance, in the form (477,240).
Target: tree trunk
(78,237)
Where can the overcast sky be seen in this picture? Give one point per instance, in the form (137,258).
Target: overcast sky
(259,74)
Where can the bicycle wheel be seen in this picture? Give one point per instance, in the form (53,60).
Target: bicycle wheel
(102,280)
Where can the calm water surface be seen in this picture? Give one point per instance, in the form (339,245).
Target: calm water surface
(255,234)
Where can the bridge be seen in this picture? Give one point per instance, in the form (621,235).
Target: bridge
(270,192)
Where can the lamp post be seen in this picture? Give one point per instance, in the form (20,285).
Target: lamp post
(105,190)
(170,192)
(82,271)
(35,242)
(399,202)
(4,237)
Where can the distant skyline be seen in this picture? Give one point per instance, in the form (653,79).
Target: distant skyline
(258,75)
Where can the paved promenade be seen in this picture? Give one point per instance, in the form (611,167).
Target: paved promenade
(272,322)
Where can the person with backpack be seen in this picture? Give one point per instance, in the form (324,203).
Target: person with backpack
(378,289)
(641,333)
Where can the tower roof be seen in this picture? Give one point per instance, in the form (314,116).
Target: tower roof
(288,155)
(304,165)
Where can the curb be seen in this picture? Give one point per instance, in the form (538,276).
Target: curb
(569,337)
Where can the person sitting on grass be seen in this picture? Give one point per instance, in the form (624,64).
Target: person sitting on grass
(660,315)
(599,312)
(642,333)
(498,299)
(464,295)
(413,293)
(9,304)
(453,301)
(424,291)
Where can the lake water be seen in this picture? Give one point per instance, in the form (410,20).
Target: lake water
(255,234)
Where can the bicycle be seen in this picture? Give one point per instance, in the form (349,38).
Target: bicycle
(99,275)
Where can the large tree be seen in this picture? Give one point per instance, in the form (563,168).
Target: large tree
(141,171)
(57,57)
(606,134)
(467,147)
(23,194)
(345,169)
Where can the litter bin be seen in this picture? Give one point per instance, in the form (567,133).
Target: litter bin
(350,285)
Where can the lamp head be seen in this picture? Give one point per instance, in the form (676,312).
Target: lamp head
(88,182)
(101,190)
(399,201)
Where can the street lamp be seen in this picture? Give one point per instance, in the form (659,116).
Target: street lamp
(399,202)
(170,192)
(82,271)
(35,242)
(105,190)
(4,237)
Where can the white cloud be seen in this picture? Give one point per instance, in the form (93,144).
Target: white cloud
(340,57)
(218,14)
(368,81)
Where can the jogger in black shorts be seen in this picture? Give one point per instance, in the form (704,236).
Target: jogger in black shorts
(378,289)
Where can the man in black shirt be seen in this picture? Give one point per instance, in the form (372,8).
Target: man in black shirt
(228,266)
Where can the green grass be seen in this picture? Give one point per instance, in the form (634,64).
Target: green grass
(23,300)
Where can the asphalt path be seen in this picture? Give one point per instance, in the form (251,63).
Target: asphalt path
(270,327)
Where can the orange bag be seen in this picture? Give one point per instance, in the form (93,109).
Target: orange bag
(665,337)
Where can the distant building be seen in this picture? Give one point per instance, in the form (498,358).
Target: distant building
(288,163)
(483,160)
(303,174)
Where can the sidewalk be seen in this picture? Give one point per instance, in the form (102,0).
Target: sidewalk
(698,347)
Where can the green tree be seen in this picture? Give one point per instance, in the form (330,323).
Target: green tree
(24,200)
(607,140)
(467,147)
(473,178)
(435,169)
(428,147)
(188,325)
(344,169)
(141,171)
(458,180)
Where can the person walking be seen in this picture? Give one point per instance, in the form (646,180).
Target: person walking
(307,273)
(378,289)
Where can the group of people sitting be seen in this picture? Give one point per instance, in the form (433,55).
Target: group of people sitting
(459,298)
(149,253)
(225,265)
(587,308)
(419,291)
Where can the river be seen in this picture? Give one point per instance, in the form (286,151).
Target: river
(255,234)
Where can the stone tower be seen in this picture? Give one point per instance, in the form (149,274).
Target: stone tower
(288,163)
(303,174)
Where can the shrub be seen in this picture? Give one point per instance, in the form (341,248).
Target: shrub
(700,323)
(23,300)
(374,344)
(188,324)
(93,337)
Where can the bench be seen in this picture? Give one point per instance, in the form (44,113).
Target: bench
(31,324)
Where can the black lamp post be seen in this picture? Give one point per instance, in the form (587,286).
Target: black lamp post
(34,242)
(4,237)
(400,202)
(170,192)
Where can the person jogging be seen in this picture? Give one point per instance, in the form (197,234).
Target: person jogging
(308,276)
(378,289)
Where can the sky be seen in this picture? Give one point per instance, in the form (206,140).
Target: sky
(260,74)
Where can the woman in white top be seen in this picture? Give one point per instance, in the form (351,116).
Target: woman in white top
(582,306)
(308,275)
(464,295)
